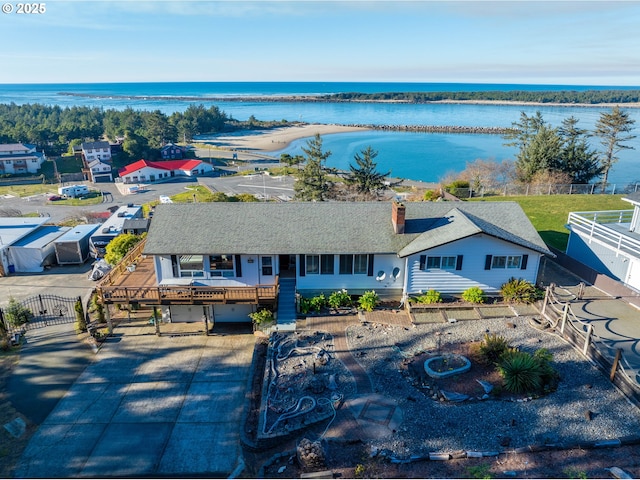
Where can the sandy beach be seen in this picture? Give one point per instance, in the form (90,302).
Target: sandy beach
(276,138)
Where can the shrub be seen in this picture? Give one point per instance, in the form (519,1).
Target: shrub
(339,299)
(520,371)
(473,295)
(520,291)
(313,304)
(368,301)
(318,302)
(81,322)
(98,308)
(493,347)
(262,317)
(432,296)
(17,314)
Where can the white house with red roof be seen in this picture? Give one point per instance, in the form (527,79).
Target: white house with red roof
(145,171)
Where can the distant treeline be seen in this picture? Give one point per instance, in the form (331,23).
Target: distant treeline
(590,97)
(54,128)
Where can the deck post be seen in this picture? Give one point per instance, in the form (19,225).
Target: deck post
(156,323)
(107,314)
(565,314)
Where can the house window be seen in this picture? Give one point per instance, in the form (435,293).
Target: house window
(326,264)
(450,262)
(346,264)
(221,265)
(267,266)
(312,264)
(499,261)
(507,261)
(360,264)
(191,266)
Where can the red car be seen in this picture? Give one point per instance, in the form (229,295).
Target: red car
(53,198)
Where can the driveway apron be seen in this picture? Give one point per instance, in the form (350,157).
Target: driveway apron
(148,406)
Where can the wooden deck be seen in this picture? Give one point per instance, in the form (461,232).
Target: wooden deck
(139,286)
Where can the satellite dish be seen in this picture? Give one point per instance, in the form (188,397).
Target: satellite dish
(395,273)
(381,276)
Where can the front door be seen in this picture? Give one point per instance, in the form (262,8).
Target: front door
(287,266)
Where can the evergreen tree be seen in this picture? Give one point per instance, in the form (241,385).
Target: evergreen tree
(364,177)
(313,183)
(613,129)
(577,159)
(540,154)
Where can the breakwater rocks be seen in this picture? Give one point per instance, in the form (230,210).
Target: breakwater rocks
(437,129)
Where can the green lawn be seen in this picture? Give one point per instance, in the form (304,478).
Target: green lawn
(549,213)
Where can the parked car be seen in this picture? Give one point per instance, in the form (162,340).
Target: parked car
(54,198)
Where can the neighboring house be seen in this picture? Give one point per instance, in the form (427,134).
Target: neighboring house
(96,151)
(144,171)
(608,241)
(171,151)
(20,159)
(397,250)
(99,171)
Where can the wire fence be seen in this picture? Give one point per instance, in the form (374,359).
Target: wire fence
(524,189)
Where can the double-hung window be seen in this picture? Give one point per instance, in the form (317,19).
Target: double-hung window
(346,265)
(326,264)
(267,266)
(360,264)
(312,264)
(221,265)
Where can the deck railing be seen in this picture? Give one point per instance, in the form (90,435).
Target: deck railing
(119,269)
(594,226)
(188,295)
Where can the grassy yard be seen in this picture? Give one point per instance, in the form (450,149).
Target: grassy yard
(549,213)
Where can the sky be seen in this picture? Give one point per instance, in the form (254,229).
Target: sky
(541,42)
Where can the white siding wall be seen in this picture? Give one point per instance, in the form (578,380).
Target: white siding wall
(250,266)
(474,251)
(385,263)
(146,172)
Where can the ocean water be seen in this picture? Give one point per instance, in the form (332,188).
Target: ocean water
(419,156)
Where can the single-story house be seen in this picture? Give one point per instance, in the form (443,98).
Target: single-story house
(396,249)
(144,171)
(608,241)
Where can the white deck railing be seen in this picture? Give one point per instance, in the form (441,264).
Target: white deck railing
(594,226)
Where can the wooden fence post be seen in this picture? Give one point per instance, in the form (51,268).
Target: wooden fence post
(156,323)
(544,302)
(587,340)
(614,367)
(565,315)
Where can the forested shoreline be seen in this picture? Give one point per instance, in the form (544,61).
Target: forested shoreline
(561,97)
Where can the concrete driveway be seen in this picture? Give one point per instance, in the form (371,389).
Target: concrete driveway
(148,406)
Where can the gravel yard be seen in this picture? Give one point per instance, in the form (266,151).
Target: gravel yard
(432,426)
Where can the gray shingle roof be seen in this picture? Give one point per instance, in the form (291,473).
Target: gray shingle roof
(331,227)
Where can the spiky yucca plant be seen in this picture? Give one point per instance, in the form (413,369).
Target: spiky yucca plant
(521,372)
